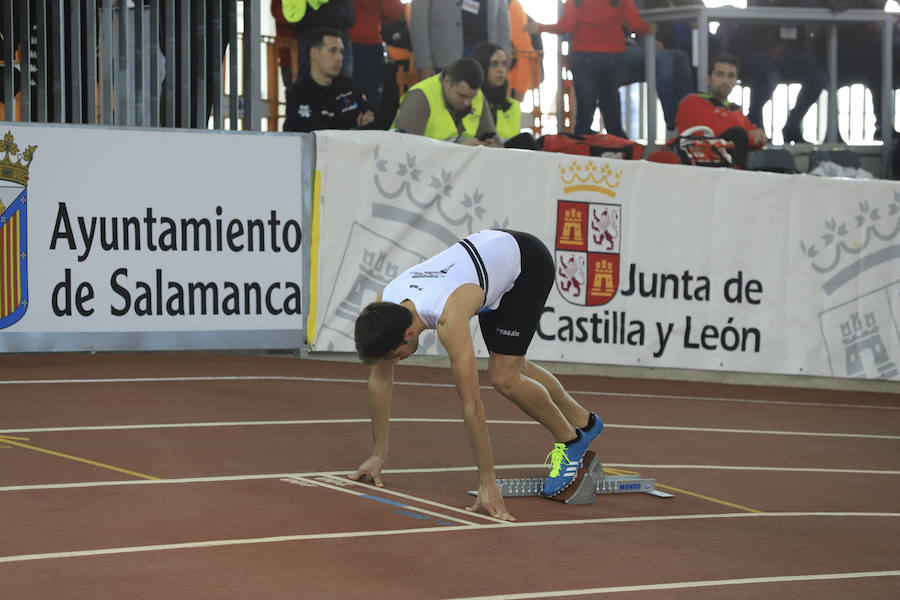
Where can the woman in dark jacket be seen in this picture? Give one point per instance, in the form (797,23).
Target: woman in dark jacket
(506,111)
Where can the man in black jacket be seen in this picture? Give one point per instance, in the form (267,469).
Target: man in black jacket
(338,14)
(323,98)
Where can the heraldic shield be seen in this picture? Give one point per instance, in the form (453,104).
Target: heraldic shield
(13,231)
(588,249)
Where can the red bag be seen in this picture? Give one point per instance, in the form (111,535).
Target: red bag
(596,144)
(702,150)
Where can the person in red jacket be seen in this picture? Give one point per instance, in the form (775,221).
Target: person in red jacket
(598,46)
(368,50)
(713,110)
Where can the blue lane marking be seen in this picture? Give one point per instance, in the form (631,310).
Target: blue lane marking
(376,498)
(408,513)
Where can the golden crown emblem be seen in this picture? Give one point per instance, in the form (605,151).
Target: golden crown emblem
(14,166)
(589,177)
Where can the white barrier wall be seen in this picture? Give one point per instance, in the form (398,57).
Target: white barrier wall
(657,265)
(123,235)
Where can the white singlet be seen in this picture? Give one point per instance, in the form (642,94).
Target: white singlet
(490,259)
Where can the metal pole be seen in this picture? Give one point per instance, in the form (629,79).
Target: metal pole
(216,63)
(106,64)
(25,64)
(153,46)
(252,64)
(650,70)
(58,68)
(7,23)
(140,94)
(184,64)
(702,50)
(90,66)
(887,94)
(560,108)
(831,129)
(123,114)
(233,93)
(76,46)
(200,61)
(171,63)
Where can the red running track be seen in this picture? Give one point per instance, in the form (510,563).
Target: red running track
(222,476)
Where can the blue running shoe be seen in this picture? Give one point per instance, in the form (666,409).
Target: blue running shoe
(593,428)
(565,459)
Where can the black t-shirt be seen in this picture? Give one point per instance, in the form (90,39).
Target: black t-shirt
(311,106)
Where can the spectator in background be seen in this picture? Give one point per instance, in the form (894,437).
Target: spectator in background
(322,98)
(773,54)
(449,106)
(506,111)
(598,46)
(525,69)
(674,78)
(443,31)
(307,16)
(713,110)
(368,49)
(283,31)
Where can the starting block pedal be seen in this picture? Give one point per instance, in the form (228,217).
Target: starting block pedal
(589,482)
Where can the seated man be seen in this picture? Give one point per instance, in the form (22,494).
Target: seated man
(504,277)
(713,110)
(449,106)
(322,98)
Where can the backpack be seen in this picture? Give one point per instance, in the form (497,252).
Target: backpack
(595,144)
(704,150)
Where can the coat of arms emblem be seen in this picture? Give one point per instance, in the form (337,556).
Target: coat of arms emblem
(13,230)
(588,249)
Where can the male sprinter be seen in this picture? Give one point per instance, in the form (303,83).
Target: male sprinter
(504,277)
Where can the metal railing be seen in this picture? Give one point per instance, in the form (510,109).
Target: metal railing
(132,63)
(701,17)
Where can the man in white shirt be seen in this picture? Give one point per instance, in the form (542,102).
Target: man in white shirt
(504,277)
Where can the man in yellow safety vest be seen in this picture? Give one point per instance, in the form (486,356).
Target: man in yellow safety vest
(449,106)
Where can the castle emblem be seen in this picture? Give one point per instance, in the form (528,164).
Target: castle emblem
(13,230)
(588,250)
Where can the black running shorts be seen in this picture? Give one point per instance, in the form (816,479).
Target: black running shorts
(508,329)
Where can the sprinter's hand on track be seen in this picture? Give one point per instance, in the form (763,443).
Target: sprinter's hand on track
(489,497)
(369,470)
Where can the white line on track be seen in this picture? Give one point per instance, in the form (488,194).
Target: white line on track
(264,476)
(437,385)
(680,585)
(432,420)
(340,487)
(424,530)
(423,500)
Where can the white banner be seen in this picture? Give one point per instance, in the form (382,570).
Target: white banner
(143,231)
(657,265)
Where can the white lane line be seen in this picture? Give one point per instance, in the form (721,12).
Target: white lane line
(757,468)
(424,501)
(538,466)
(434,385)
(424,530)
(433,420)
(759,431)
(339,488)
(680,585)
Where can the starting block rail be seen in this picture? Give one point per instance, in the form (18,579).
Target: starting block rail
(591,483)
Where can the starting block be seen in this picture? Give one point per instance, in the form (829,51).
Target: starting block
(589,482)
